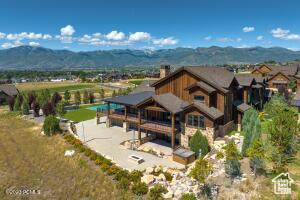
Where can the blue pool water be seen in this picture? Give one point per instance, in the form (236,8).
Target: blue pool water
(104,107)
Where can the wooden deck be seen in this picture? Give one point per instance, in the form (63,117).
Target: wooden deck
(121,117)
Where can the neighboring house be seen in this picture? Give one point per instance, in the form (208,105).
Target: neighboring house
(7,90)
(177,105)
(278,75)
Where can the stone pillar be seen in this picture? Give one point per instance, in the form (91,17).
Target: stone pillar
(125,126)
(108,122)
(210,134)
(239,127)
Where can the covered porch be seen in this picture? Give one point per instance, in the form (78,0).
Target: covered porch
(149,114)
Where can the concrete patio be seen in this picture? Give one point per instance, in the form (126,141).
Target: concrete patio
(106,141)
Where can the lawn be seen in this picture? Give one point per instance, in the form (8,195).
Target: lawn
(81,114)
(136,81)
(29,160)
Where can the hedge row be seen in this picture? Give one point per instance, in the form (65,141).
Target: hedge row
(126,180)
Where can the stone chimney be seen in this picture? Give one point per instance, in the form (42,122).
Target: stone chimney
(165,70)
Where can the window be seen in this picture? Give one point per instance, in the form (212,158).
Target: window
(196,121)
(199,98)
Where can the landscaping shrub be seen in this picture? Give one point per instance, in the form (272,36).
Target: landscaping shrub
(124,183)
(104,167)
(51,125)
(168,176)
(232,164)
(93,156)
(201,170)
(219,155)
(140,188)
(18,103)
(135,176)
(87,152)
(98,161)
(85,97)
(188,196)
(206,191)
(156,192)
(197,142)
(25,107)
(121,174)
(55,99)
(113,170)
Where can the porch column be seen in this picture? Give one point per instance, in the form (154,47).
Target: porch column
(125,123)
(139,125)
(239,125)
(173,131)
(245,95)
(107,115)
(125,113)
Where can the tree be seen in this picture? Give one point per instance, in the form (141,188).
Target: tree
(11,102)
(85,97)
(91,97)
(67,96)
(25,107)
(251,128)
(201,169)
(232,164)
(256,154)
(292,85)
(140,188)
(120,92)
(36,108)
(101,93)
(55,99)
(51,125)
(44,97)
(60,109)
(18,103)
(48,109)
(31,95)
(197,142)
(114,93)
(276,105)
(156,192)
(77,98)
(283,130)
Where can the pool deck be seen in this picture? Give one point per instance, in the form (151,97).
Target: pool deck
(106,141)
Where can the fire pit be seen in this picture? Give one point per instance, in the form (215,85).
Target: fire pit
(135,159)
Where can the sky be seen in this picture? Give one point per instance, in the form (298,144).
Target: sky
(153,24)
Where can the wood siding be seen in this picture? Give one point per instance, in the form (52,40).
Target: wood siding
(199,92)
(277,77)
(208,122)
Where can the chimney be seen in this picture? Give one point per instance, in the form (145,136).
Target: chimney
(165,70)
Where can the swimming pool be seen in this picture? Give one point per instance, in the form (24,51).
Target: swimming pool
(104,107)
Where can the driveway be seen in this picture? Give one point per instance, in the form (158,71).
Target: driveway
(106,141)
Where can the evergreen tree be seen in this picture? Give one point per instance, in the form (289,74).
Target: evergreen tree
(11,102)
(60,109)
(114,93)
(85,97)
(197,142)
(256,154)
(77,98)
(91,97)
(101,93)
(251,128)
(232,164)
(25,107)
(55,99)
(67,96)
(36,108)
(18,103)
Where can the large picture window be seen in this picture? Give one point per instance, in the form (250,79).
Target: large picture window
(196,121)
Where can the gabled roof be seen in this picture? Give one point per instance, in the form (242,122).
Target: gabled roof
(145,86)
(217,77)
(131,99)
(245,79)
(9,89)
(210,111)
(202,85)
(241,106)
(170,102)
(273,76)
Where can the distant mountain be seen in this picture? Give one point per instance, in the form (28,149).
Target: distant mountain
(27,57)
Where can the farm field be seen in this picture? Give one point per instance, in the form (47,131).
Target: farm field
(42,166)
(55,86)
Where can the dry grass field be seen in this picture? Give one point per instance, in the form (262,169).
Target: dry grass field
(29,160)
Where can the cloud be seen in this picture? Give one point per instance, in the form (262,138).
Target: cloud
(260,37)
(89,39)
(227,39)
(97,35)
(11,45)
(64,39)
(138,36)
(284,34)
(34,44)
(47,37)
(208,38)
(165,41)
(67,30)
(244,46)
(2,35)
(247,29)
(115,35)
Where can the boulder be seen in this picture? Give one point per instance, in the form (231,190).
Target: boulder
(158,169)
(167,195)
(162,177)
(147,179)
(69,153)
(149,170)
(178,193)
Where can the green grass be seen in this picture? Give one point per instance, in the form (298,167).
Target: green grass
(81,114)
(68,87)
(136,82)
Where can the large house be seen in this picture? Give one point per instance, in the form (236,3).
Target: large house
(7,90)
(278,75)
(173,108)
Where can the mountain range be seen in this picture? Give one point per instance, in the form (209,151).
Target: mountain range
(27,57)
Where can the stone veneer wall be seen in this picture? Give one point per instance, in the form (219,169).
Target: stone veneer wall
(189,132)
